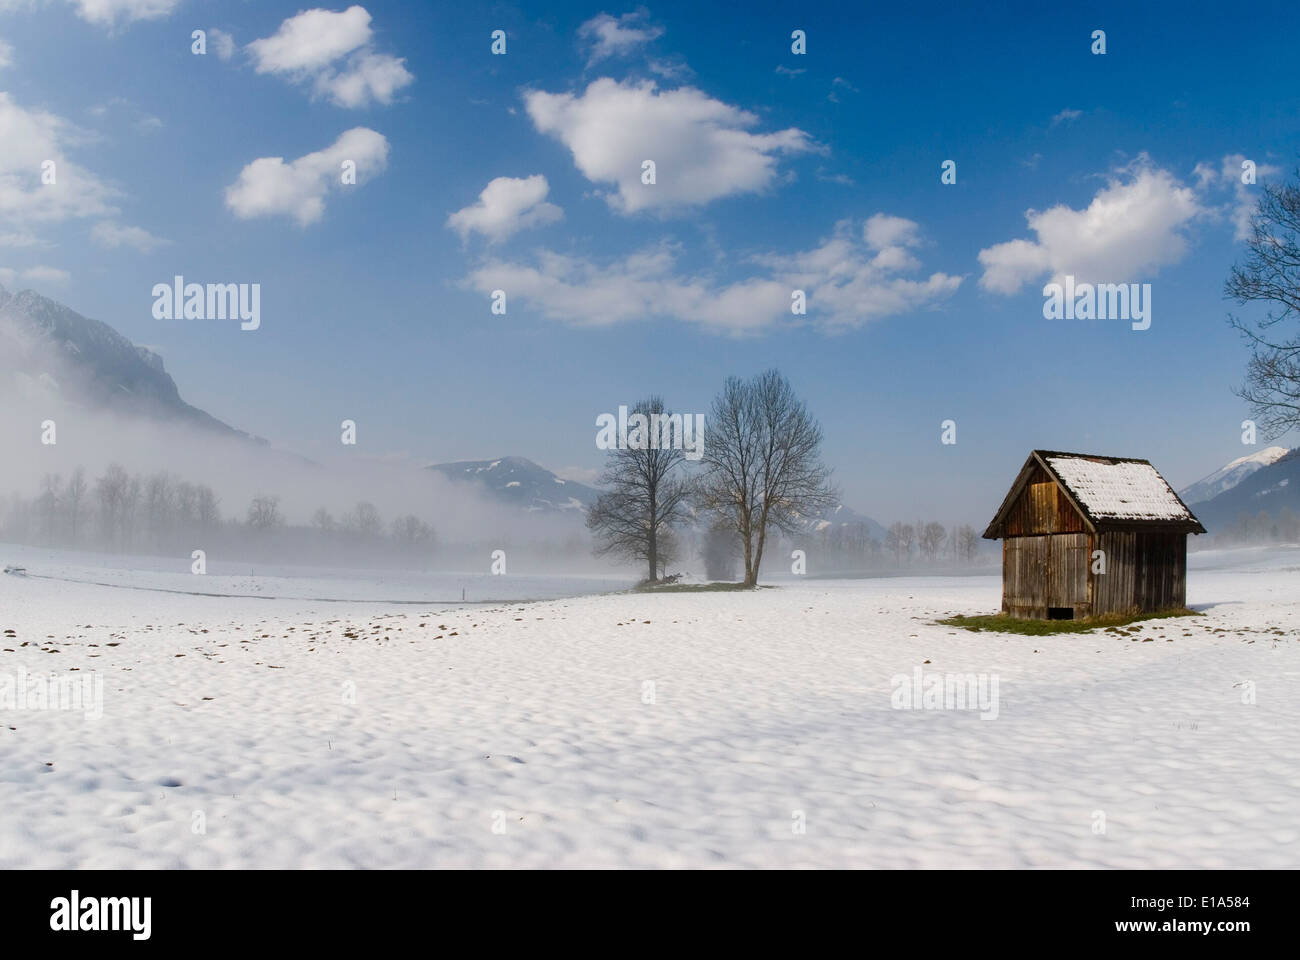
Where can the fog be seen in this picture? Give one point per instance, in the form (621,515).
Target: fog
(52,423)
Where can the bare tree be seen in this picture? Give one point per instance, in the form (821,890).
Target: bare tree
(186,504)
(130,509)
(47,505)
(762,464)
(159,505)
(208,508)
(363,521)
(411,533)
(75,495)
(264,513)
(930,539)
(967,542)
(323,521)
(111,491)
(647,494)
(898,540)
(1271,277)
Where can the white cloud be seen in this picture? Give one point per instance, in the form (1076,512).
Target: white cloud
(850,279)
(140,120)
(110,13)
(312,39)
(851,282)
(588,475)
(21,240)
(270,187)
(701,147)
(610,37)
(368,76)
(31,138)
(1228,174)
(309,47)
(46,275)
(1133,226)
(37,275)
(883,231)
(112,235)
(222,43)
(1065,116)
(837,84)
(6,55)
(673,69)
(506,206)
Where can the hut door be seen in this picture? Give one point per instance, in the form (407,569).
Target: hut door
(1024,573)
(1067,571)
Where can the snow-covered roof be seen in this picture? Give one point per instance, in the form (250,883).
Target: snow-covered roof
(1109,492)
(1119,489)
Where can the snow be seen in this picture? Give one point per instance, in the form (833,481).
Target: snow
(1231,474)
(1265,457)
(1120,490)
(298,733)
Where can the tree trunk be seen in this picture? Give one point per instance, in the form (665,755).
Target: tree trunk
(758,554)
(652,544)
(746,536)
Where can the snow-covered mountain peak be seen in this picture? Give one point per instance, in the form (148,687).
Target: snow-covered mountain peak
(1230,474)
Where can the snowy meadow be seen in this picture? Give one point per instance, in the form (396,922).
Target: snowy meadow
(277,722)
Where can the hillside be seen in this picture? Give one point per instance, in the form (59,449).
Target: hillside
(1270,488)
(521,483)
(1229,475)
(87,362)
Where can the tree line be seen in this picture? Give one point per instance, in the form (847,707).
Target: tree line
(124,512)
(1260,528)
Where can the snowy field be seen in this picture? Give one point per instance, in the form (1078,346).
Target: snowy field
(283,581)
(710,729)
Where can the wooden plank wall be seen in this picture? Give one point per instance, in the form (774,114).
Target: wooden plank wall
(1162,571)
(1144,571)
(1045,571)
(1112,592)
(1042,508)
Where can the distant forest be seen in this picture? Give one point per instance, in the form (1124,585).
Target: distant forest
(162,514)
(159,513)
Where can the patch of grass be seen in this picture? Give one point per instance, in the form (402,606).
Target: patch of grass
(691,587)
(1001,623)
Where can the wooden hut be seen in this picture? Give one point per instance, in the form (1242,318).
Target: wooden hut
(1087,535)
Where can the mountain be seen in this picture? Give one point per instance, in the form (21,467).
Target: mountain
(1270,488)
(1229,475)
(842,516)
(520,483)
(88,362)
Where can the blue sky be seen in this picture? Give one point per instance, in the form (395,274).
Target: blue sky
(773,169)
